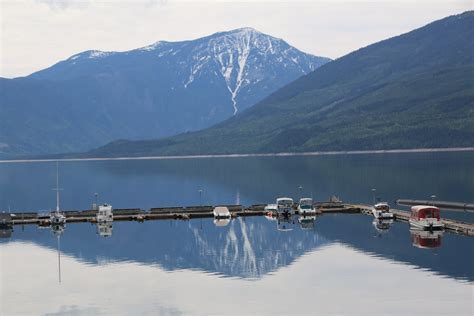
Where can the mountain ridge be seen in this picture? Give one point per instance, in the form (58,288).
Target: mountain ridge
(414,90)
(159,90)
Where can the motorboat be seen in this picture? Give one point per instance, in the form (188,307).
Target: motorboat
(105,213)
(381,210)
(284,206)
(305,206)
(426,239)
(221,212)
(425,217)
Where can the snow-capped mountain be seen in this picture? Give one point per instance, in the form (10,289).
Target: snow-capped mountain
(158,90)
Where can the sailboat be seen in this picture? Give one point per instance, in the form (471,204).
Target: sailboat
(57,218)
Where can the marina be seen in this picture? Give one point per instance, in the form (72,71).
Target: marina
(106,214)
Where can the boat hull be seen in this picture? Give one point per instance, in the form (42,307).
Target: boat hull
(426,224)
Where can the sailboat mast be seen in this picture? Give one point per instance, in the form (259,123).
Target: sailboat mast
(57,187)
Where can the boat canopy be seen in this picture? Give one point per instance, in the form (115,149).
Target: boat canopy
(382,206)
(284,200)
(424,211)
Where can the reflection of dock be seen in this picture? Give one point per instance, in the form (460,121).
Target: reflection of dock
(189,212)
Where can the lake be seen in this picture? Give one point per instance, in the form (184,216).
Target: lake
(336,264)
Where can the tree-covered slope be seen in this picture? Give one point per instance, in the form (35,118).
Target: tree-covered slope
(156,91)
(414,90)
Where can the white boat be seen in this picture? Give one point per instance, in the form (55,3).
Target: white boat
(382,211)
(425,217)
(221,212)
(305,206)
(426,239)
(271,208)
(57,218)
(105,213)
(284,205)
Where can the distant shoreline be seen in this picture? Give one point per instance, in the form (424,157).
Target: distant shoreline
(282,154)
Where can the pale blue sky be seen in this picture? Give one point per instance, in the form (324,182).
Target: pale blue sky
(35,34)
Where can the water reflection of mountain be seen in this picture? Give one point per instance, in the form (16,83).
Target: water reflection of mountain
(247,248)
(455,258)
(251,247)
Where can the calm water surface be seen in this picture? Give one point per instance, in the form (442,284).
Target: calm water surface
(249,266)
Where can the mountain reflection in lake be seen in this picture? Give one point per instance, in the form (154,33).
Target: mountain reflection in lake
(181,267)
(251,265)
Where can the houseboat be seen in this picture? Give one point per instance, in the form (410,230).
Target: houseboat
(382,211)
(221,212)
(284,206)
(305,206)
(425,217)
(105,213)
(426,239)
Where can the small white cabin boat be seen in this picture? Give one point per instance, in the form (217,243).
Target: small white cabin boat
(284,205)
(425,217)
(221,212)
(305,206)
(271,208)
(382,211)
(105,213)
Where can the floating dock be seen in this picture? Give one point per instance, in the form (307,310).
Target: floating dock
(189,212)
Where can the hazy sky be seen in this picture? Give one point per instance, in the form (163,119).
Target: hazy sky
(35,34)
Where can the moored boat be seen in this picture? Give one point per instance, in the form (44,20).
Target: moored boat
(284,206)
(425,217)
(305,206)
(221,212)
(382,211)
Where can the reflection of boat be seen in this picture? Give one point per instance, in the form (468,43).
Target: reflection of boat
(104,228)
(305,206)
(57,230)
(382,225)
(425,217)
(382,211)
(5,231)
(105,213)
(284,223)
(221,222)
(221,212)
(307,222)
(6,226)
(425,238)
(284,205)
(57,217)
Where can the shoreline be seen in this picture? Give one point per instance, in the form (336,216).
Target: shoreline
(282,154)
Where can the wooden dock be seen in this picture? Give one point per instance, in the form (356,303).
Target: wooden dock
(206,211)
